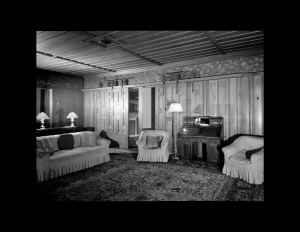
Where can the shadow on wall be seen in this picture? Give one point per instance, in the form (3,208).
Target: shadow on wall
(227,142)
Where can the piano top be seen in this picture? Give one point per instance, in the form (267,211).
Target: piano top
(188,130)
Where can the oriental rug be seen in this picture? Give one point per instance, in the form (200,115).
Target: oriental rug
(125,179)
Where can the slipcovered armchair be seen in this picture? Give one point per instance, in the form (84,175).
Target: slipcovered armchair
(237,164)
(154,154)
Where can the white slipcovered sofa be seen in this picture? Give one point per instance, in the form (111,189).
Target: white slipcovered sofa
(160,154)
(61,162)
(236,163)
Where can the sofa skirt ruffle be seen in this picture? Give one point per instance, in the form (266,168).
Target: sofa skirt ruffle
(246,175)
(152,157)
(72,165)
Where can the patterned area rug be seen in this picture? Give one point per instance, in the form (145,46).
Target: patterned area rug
(125,179)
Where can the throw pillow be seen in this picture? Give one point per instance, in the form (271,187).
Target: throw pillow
(249,153)
(153,142)
(77,139)
(65,141)
(88,138)
(103,134)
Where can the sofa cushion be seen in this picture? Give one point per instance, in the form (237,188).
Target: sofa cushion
(88,138)
(153,141)
(239,157)
(65,141)
(77,139)
(53,139)
(251,152)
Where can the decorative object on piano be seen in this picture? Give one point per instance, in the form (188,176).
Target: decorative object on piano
(116,83)
(125,82)
(100,84)
(42,116)
(175,108)
(109,84)
(201,129)
(72,115)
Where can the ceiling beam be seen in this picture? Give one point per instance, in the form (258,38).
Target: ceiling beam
(212,39)
(74,61)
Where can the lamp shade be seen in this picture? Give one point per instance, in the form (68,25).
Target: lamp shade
(175,107)
(42,115)
(72,115)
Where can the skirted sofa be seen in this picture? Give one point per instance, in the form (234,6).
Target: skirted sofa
(58,155)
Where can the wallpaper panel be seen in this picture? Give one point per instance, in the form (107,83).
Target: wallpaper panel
(229,66)
(53,79)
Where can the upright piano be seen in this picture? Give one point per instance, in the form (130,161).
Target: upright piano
(199,137)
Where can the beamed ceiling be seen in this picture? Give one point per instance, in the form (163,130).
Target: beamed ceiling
(108,53)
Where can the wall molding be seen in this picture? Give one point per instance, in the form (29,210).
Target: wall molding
(217,77)
(240,65)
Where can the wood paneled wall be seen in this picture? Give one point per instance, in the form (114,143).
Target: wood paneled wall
(107,110)
(64,102)
(239,100)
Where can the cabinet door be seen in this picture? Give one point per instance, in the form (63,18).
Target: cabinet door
(213,153)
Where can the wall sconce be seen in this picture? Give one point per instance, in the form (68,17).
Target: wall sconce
(42,116)
(72,115)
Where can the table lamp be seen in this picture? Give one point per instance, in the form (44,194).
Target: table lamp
(72,115)
(42,116)
(175,107)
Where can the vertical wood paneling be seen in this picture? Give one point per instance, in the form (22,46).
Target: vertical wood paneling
(159,108)
(60,102)
(212,101)
(257,113)
(221,106)
(243,107)
(238,100)
(262,104)
(86,106)
(188,98)
(38,101)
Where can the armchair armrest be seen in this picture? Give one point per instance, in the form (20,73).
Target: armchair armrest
(164,144)
(257,156)
(42,159)
(231,149)
(141,142)
(40,153)
(101,141)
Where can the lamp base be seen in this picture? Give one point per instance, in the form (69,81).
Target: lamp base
(175,157)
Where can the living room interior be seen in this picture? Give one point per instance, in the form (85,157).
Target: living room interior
(125,83)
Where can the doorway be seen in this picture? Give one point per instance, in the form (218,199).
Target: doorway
(133,117)
(141,113)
